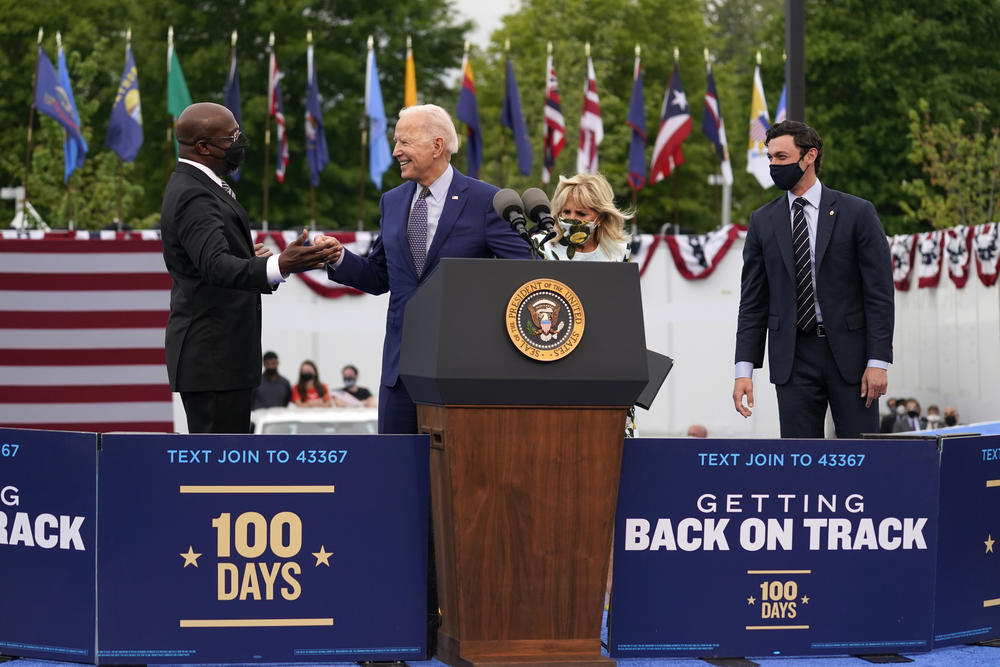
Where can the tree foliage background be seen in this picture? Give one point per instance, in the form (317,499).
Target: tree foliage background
(868,64)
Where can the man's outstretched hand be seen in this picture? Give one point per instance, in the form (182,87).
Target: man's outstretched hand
(298,256)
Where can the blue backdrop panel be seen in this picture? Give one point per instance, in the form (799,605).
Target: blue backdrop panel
(48,503)
(262,548)
(774,547)
(968,581)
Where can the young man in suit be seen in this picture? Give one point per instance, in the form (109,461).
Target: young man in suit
(213,332)
(817,284)
(438,213)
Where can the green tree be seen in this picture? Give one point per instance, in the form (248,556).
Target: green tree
(962,170)
(868,62)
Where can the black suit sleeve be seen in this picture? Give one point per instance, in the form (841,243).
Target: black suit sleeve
(751,330)
(209,244)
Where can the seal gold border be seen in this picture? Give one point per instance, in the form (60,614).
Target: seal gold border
(527,290)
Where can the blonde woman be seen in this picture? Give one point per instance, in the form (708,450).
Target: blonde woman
(591,228)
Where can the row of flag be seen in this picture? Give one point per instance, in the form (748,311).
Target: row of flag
(674,125)
(53,96)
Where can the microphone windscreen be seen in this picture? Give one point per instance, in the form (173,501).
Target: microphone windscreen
(504,200)
(535,202)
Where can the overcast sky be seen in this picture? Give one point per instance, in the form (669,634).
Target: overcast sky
(486,14)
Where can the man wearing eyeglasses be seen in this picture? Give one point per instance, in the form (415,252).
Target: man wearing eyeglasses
(213,332)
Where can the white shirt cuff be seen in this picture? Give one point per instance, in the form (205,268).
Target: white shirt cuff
(274,276)
(340,260)
(744,369)
(878,363)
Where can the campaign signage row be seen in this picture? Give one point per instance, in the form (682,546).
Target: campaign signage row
(784,547)
(213,549)
(260,548)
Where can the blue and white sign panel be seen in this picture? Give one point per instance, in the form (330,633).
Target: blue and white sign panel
(48,545)
(774,547)
(262,548)
(968,583)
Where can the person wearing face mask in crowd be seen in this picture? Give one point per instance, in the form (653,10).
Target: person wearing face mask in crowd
(817,286)
(213,331)
(591,228)
(933,419)
(275,391)
(889,418)
(309,392)
(910,420)
(351,394)
(950,415)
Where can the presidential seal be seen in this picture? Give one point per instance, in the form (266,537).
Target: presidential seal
(545,319)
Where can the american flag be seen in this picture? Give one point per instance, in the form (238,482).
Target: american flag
(274,106)
(82,316)
(591,125)
(555,126)
(675,126)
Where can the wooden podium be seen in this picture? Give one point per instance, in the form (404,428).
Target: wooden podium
(525,456)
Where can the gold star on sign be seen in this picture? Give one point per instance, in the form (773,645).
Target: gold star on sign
(989,544)
(322,556)
(805,599)
(190,558)
(751,600)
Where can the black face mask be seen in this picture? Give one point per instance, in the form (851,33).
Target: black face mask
(950,420)
(306,377)
(270,372)
(912,414)
(785,176)
(235,153)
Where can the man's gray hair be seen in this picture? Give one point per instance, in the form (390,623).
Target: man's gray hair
(437,123)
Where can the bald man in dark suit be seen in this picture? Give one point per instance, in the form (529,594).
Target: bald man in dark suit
(218,273)
(817,285)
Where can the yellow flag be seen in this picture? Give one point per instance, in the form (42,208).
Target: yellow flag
(760,122)
(410,94)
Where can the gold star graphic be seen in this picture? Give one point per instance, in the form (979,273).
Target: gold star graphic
(190,558)
(751,600)
(989,544)
(805,599)
(322,556)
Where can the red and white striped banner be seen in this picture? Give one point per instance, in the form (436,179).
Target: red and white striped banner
(359,243)
(987,250)
(82,317)
(930,250)
(697,255)
(956,246)
(903,248)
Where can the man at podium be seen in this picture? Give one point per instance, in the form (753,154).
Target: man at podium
(438,213)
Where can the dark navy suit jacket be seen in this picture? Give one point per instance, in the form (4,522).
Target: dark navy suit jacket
(853,286)
(468,227)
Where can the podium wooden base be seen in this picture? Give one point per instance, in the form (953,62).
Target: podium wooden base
(523,503)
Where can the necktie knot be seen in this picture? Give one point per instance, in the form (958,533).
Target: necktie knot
(424,192)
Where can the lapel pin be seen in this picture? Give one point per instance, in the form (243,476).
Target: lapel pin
(455,197)
(831,211)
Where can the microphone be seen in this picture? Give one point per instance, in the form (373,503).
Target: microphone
(540,212)
(508,206)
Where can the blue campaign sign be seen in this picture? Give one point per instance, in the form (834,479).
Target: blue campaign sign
(968,582)
(226,548)
(48,545)
(774,547)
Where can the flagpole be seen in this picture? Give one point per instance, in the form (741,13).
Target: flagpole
(267,125)
(635,192)
(121,170)
(677,187)
(69,191)
(364,134)
(31,115)
(170,119)
(506,50)
(312,188)
(545,126)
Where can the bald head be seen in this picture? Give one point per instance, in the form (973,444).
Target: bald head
(697,431)
(204,120)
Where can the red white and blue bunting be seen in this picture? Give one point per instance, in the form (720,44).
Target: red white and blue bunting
(956,246)
(697,255)
(930,247)
(987,250)
(903,247)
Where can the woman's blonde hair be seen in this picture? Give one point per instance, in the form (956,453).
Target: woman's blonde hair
(594,192)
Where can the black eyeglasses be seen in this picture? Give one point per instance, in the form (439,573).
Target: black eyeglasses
(235,137)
